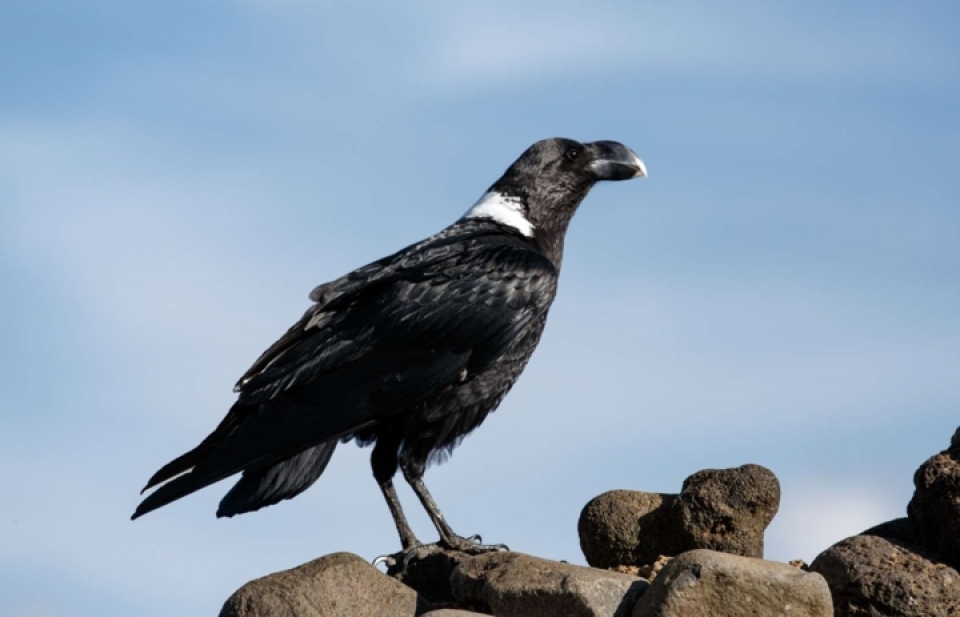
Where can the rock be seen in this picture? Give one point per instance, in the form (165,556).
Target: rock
(338,585)
(935,507)
(628,528)
(704,583)
(451,612)
(721,509)
(873,576)
(429,574)
(517,585)
(728,510)
(898,529)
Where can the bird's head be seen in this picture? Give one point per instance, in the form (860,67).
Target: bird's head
(564,168)
(540,192)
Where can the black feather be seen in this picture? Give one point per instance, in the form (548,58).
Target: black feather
(285,480)
(411,352)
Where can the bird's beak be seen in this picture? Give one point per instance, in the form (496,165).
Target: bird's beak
(614,161)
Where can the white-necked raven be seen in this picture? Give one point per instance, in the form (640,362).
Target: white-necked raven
(409,353)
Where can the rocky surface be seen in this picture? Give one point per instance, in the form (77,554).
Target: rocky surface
(900,529)
(728,510)
(704,583)
(934,510)
(905,567)
(338,585)
(873,576)
(720,509)
(628,528)
(518,585)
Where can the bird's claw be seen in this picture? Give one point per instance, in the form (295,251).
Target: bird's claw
(388,560)
(398,561)
(471,545)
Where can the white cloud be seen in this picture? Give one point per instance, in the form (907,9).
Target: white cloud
(815,516)
(462,47)
(509,43)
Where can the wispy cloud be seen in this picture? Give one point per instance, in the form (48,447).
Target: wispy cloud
(820,514)
(480,44)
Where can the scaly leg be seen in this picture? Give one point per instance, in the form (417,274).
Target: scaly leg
(413,473)
(407,538)
(384,464)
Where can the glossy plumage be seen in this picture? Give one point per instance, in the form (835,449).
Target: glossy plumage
(409,353)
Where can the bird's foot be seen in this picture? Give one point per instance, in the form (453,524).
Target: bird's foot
(398,560)
(471,546)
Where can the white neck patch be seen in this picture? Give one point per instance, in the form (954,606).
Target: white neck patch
(502,209)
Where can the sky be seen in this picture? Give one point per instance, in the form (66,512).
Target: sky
(175,177)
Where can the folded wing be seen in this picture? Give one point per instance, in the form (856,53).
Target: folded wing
(377,343)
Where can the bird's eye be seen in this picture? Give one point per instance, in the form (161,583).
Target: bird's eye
(573,153)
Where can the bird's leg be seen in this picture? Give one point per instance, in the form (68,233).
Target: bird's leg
(413,472)
(384,464)
(407,538)
(411,546)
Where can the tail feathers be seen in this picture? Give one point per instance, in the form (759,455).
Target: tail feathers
(173,490)
(271,485)
(187,461)
(256,489)
(176,467)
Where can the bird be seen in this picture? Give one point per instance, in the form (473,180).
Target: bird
(407,354)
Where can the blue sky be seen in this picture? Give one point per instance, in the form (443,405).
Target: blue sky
(176,177)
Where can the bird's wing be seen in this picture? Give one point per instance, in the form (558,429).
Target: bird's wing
(430,319)
(331,298)
(317,342)
(466,300)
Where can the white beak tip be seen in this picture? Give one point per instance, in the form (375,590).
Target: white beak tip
(641,168)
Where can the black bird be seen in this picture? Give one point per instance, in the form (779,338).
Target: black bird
(409,353)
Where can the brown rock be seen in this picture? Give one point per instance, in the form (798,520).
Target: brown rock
(451,612)
(876,577)
(720,509)
(900,529)
(935,507)
(728,510)
(338,585)
(628,528)
(705,583)
(518,585)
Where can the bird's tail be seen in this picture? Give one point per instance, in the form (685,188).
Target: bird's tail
(271,485)
(257,488)
(186,462)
